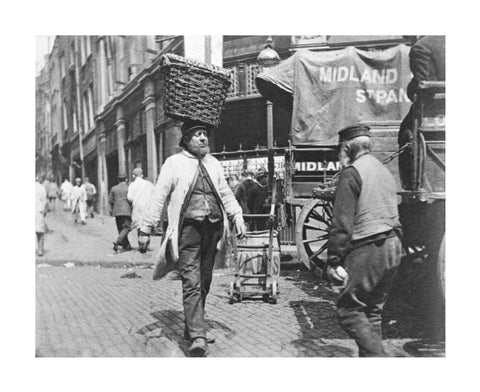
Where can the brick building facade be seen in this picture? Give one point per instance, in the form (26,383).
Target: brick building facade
(107,92)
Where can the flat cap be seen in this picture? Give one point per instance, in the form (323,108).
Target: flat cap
(193,125)
(353,131)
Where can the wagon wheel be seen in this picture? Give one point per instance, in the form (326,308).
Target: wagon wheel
(311,232)
(440,268)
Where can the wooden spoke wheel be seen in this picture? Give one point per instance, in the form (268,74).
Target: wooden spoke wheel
(311,232)
(440,268)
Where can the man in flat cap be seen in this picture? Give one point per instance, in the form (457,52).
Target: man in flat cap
(363,240)
(200,204)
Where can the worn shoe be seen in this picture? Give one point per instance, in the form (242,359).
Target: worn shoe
(84,223)
(198,348)
(115,247)
(210,338)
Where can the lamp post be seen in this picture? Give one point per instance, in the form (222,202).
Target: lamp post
(267,58)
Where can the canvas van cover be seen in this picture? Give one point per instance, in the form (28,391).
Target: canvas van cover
(329,90)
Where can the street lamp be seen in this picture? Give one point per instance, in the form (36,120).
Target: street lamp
(267,58)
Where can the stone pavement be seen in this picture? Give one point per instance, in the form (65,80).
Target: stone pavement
(91,244)
(85,309)
(93,311)
(67,241)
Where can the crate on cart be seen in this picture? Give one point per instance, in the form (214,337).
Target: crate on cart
(257,261)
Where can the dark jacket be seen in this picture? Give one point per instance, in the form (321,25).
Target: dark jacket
(118,200)
(250,196)
(427,61)
(365,208)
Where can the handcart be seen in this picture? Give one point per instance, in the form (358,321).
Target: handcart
(257,261)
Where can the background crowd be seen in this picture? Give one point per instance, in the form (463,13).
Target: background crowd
(128,202)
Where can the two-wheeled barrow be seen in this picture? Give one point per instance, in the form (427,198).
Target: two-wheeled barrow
(257,261)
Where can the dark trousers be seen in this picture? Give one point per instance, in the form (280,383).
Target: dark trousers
(124,225)
(197,250)
(371,269)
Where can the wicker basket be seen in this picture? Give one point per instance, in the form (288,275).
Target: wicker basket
(194,90)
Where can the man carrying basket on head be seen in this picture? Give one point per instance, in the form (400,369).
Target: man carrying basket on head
(200,204)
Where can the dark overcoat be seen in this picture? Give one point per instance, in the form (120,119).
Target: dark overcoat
(118,200)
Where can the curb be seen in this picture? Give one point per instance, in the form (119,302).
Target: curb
(93,263)
(286,264)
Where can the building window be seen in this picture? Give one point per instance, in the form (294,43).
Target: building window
(88,115)
(83,56)
(90,107)
(243,80)
(86,124)
(143,121)
(252,72)
(75,124)
(65,116)
(109,56)
(62,65)
(132,71)
(234,87)
(136,125)
(72,54)
(88,45)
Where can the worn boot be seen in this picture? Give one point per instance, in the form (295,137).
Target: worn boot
(198,348)
(186,336)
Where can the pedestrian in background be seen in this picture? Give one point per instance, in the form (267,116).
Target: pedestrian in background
(200,204)
(364,240)
(66,194)
(52,193)
(260,198)
(40,213)
(122,211)
(79,201)
(91,196)
(249,196)
(140,193)
(244,191)
(234,182)
(45,182)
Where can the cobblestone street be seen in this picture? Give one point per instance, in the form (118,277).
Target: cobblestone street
(84,308)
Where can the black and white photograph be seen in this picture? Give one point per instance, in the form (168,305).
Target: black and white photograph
(226,199)
(240,196)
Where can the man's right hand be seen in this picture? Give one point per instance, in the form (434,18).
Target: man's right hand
(241,229)
(337,275)
(143,242)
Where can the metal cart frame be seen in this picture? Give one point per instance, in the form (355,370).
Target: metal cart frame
(259,283)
